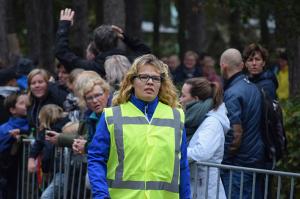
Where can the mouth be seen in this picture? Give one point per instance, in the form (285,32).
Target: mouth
(149,90)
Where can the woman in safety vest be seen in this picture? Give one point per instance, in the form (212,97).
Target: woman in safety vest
(139,149)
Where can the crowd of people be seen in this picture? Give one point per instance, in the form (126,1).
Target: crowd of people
(122,110)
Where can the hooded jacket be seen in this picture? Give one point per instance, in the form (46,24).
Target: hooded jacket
(207,145)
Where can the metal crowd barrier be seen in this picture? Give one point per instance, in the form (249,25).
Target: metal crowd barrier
(277,184)
(69,178)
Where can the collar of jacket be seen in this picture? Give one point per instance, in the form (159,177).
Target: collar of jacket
(147,108)
(233,79)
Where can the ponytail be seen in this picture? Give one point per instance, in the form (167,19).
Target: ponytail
(217,94)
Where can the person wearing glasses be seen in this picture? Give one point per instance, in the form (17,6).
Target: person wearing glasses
(93,92)
(139,149)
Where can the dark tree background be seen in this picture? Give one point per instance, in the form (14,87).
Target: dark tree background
(27,27)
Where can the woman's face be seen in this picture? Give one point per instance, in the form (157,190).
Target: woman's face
(186,96)
(190,61)
(38,86)
(96,99)
(255,64)
(147,83)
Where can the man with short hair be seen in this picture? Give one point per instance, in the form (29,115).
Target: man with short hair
(243,143)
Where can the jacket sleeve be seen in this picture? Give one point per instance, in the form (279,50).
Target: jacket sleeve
(67,57)
(137,47)
(98,153)
(184,186)
(208,138)
(66,140)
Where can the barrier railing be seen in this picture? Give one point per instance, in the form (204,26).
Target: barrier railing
(67,179)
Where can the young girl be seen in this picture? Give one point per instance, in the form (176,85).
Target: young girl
(51,117)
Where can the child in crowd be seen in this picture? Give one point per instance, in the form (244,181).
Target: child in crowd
(51,117)
(10,132)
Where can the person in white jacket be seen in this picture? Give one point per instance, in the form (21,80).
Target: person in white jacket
(207,142)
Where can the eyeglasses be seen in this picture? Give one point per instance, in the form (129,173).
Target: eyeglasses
(92,98)
(145,78)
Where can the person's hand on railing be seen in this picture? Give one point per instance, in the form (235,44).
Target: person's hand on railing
(31,165)
(67,15)
(51,136)
(15,133)
(79,145)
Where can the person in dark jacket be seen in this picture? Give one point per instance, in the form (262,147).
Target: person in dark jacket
(105,38)
(42,92)
(10,133)
(189,68)
(243,143)
(255,59)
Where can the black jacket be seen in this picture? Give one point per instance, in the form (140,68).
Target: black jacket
(71,61)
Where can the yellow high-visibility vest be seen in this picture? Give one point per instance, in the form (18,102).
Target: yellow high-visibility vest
(144,158)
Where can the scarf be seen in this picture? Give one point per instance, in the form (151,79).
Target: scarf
(195,114)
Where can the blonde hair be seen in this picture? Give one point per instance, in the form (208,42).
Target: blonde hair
(167,93)
(85,83)
(49,114)
(31,75)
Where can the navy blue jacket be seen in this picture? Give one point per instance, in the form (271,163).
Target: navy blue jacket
(98,153)
(268,81)
(243,102)
(6,140)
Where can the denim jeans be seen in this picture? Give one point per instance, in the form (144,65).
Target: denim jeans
(52,189)
(236,184)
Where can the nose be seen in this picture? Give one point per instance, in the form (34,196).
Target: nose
(150,80)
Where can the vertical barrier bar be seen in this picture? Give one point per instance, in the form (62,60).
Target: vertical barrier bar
(27,178)
(218,183)
(230,183)
(278,187)
(54,176)
(60,171)
(32,185)
(292,188)
(253,184)
(23,169)
(73,177)
(66,170)
(206,181)
(79,181)
(266,186)
(241,184)
(195,166)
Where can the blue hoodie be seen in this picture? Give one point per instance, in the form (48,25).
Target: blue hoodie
(6,140)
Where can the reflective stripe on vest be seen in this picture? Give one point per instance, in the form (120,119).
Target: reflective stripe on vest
(118,120)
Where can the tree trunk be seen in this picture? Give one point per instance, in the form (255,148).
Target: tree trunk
(3,31)
(99,12)
(114,12)
(47,35)
(235,29)
(156,25)
(32,13)
(14,51)
(264,30)
(80,27)
(134,17)
(182,16)
(195,25)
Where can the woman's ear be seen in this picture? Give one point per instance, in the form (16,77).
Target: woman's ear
(196,98)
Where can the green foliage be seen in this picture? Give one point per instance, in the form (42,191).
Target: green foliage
(291,162)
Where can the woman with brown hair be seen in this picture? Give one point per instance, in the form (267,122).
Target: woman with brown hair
(206,123)
(139,149)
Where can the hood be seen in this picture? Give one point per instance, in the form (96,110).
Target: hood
(221,115)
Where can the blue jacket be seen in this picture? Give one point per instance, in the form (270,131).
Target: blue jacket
(6,140)
(98,154)
(268,81)
(243,102)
